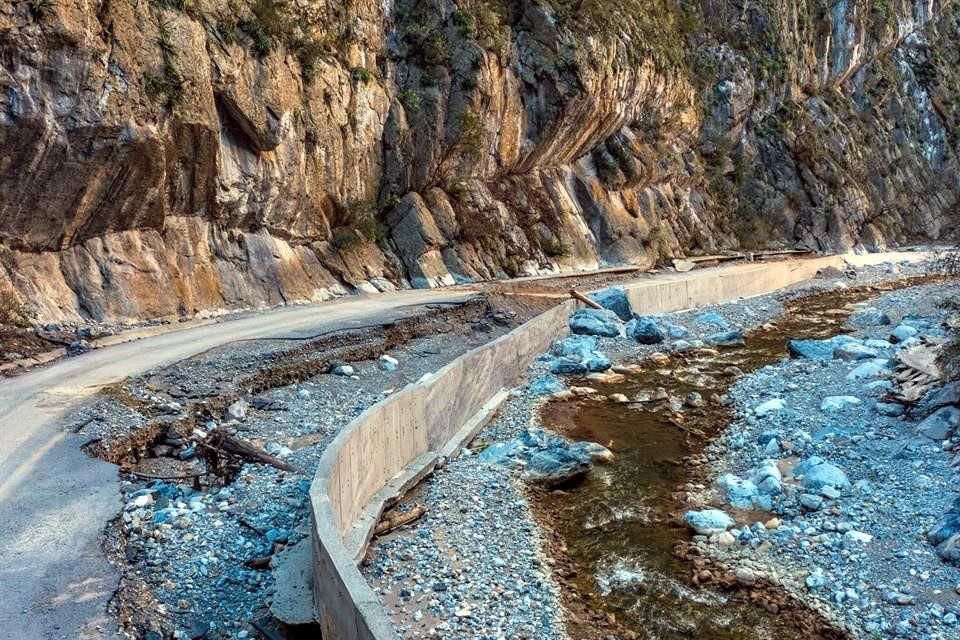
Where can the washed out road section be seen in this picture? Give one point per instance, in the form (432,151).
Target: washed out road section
(54,500)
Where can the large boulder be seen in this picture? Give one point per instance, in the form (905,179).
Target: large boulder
(708,521)
(727,339)
(945,534)
(866,370)
(740,493)
(817,349)
(614,299)
(818,473)
(595,322)
(712,319)
(903,332)
(546,458)
(940,424)
(770,406)
(545,385)
(578,355)
(838,403)
(854,351)
(866,318)
(946,395)
(645,330)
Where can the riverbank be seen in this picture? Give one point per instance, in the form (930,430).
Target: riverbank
(854,546)
(392,564)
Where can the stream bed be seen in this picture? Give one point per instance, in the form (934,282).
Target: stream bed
(619,528)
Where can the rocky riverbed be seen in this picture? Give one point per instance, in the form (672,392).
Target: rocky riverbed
(861,486)
(514,462)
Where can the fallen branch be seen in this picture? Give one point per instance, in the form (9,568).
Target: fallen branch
(219,441)
(398,520)
(584,299)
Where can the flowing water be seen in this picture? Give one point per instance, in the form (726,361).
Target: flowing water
(619,526)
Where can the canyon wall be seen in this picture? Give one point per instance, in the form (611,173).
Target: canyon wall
(165,157)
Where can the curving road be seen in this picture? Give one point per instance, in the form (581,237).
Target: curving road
(55,581)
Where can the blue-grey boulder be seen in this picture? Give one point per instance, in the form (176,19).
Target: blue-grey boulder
(708,521)
(712,319)
(595,322)
(817,349)
(818,473)
(645,330)
(727,339)
(945,534)
(854,351)
(739,493)
(577,355)
(940,424)
(545,385)
(675,331)
(614,299)
(903,332)
(866,318)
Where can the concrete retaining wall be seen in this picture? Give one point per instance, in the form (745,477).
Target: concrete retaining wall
(394,443)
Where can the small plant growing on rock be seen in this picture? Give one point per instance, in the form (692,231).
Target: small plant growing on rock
(39,8)
(470,134)
(12,311)
(361,74)
(410,100)
(179,5)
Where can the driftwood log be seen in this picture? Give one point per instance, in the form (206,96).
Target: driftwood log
(584,299)
(220,447)
(396,520)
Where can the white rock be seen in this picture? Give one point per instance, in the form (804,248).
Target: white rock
(770,406)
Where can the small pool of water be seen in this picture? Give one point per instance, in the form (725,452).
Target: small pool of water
(619,526)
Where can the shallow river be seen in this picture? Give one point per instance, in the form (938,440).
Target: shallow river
(620,525)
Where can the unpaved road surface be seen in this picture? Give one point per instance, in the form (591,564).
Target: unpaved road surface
(54,500)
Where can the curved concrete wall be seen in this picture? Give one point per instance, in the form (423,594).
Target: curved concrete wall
(397,441)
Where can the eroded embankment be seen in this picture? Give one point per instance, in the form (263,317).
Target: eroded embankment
(197,545)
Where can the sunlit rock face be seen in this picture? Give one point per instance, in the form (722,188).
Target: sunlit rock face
(164,157)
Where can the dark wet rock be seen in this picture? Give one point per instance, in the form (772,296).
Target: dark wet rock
(595,322)
(645,330)
(945,534)
(940,424)
(614,299)
(869,317)
(727,339)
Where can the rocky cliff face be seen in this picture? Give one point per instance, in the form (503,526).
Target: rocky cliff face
(169,156)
